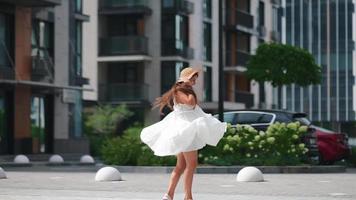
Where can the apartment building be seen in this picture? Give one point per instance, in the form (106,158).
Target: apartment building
(41,77)
(326,29)
(134,50)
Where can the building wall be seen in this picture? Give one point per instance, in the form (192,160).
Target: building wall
(62,64)
(324,28)
(90,50)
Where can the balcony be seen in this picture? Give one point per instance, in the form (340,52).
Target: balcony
(237,17)
(33,3)
(261,31)
(42,69)
(79,80)
(276,2)
(237,58)
(123,92)
(109,7)
(177,6)
(244,97)
(275,36)
(123,45)
(177,48)
(7,73)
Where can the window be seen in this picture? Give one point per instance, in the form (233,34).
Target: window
(78,6)
(207,84)
(170,71)
(78,48)
(38,124)
(229,118)
(207,42)
(175,37)
(253,118)
(6,40)
(43,39)
(207,8)
(261,13)
(243,5)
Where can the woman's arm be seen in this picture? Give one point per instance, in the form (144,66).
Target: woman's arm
(185,99)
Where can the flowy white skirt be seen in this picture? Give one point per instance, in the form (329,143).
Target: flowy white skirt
(185,129)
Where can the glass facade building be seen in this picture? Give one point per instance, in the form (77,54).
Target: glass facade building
(324,28)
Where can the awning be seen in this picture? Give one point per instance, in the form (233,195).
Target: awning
(44,85)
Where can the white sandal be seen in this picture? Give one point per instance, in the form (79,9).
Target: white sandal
(166,197)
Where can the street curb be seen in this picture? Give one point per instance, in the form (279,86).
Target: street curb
(85,167)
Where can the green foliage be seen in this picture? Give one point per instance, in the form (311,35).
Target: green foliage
(122,150)
(129,150)
(283,64)
(105,118)
(243,145)
(147,158)
(100,124)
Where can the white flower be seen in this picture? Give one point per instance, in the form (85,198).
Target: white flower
(257,137)
(271,140)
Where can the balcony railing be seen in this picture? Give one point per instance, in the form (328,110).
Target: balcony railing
(177,6)
(42,69)
(177,48)
(244,97)
(123,92)
(261,31)
(237,58)
(124,6)
(238,17)
(275,36)
(123,45)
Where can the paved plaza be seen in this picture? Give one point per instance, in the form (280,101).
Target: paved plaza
(22,185)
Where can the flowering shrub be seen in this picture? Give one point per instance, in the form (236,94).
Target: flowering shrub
(279,145)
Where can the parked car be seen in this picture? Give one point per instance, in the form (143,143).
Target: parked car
(333,146)
(324,146)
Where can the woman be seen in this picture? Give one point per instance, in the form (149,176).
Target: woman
(183,131)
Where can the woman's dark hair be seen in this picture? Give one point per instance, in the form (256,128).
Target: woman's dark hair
(167,98)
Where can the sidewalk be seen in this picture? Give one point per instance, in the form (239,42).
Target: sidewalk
(151,186)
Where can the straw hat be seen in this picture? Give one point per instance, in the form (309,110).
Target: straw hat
(187,73)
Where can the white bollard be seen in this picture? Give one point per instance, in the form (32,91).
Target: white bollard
(249,174)
(2,174)
(21,159)
(86,159)
(108,174)
(56,159)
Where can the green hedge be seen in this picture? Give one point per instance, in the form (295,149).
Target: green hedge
(241,145)
(129,150)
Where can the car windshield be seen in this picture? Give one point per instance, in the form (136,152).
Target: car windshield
(303,121)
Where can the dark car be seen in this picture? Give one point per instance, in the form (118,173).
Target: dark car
(261,119)
(324,145)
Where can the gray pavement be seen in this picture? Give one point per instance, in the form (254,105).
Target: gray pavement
(151,186)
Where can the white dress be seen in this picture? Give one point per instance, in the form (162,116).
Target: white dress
(186,128)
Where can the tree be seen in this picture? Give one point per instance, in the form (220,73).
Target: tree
(282,64)
(105,119)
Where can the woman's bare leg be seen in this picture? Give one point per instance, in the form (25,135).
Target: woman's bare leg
(176,173)
(191,159)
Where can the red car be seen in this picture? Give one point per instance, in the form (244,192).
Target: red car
(332,146)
